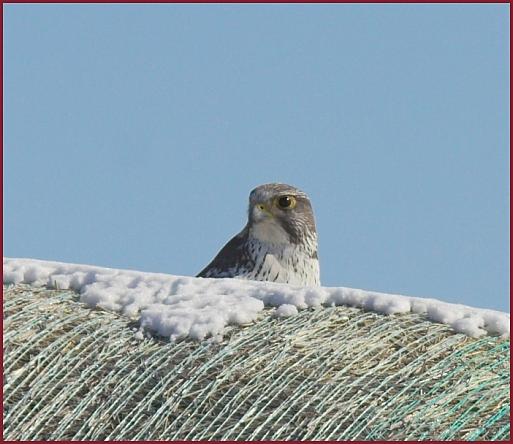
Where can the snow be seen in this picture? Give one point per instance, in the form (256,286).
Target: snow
(181,306)
(285,311)
(139,335)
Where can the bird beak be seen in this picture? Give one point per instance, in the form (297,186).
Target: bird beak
(264,209)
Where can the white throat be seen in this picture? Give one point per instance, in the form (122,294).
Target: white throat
(269,232)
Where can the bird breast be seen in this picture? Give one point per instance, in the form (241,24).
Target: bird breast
(290,264)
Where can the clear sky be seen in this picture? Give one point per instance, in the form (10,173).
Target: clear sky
(134,133)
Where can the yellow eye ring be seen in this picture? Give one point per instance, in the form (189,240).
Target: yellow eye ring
(285,202)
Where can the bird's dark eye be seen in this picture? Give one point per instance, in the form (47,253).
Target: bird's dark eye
(286,202)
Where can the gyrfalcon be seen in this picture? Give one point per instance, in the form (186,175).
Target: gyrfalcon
(278,243)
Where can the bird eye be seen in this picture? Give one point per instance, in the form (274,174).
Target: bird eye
(286,202)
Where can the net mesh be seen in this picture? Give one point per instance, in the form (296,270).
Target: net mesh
(72,372)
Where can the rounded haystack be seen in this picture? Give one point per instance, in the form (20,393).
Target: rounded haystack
(76,373)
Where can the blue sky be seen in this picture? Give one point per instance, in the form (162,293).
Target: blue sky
(134,133)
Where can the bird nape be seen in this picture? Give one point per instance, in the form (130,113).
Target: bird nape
(278,243)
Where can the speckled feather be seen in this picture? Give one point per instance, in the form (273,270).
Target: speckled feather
(278,245)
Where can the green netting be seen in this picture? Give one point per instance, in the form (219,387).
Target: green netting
(71,372)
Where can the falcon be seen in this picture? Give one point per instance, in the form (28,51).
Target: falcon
(278,243)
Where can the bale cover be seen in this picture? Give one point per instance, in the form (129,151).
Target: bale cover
(72,372)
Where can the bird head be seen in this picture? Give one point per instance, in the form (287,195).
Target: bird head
(281,214)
